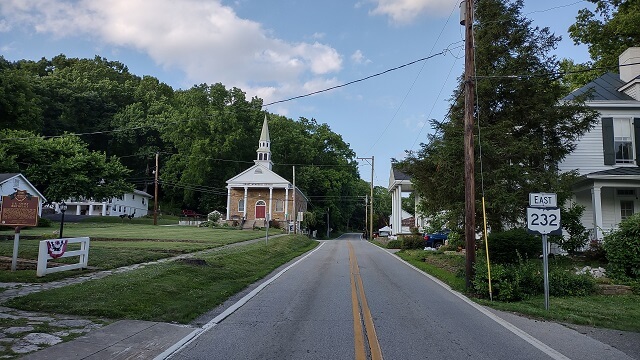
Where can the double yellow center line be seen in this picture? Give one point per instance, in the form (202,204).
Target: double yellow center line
(361,313)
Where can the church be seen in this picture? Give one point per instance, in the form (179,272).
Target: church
(259,193)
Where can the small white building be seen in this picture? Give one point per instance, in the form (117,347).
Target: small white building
(11,182)
(134,204)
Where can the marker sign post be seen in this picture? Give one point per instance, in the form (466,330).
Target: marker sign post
(543,217)
(18,209)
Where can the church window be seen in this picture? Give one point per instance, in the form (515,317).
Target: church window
(279,205)
(241,205)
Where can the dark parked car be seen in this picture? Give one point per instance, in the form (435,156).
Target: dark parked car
(436,240)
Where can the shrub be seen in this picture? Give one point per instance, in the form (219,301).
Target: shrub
(595,251)
(412,242)
(43,222)
(394,244)
(623,249)
(572,224)
(454,240)
(566,283)
(214,216)
(508,246)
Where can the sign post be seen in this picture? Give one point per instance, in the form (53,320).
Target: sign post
(18,209)
(543,217)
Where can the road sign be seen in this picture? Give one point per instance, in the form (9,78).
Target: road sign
(544,200)
(544,221)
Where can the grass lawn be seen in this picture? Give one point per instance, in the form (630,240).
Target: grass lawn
(609,311)
(114,245)
(174,291)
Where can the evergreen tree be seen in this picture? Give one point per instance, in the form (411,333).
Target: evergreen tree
(524,129)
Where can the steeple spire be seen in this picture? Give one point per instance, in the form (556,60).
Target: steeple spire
(264,147)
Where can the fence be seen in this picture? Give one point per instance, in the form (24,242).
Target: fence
(44,254)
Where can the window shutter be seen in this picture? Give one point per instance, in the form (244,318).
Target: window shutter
(636,135)
(607,141)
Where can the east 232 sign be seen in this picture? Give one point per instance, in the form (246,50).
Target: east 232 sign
(544,221)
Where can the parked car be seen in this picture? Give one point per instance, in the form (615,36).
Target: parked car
(436,240)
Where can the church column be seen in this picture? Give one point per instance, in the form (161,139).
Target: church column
(399,207)
(286,204)
(270,201)
(394,211)
(228,202)
(244,214)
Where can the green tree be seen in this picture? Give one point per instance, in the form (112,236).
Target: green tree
(62,167)
(525,130)
(609,30)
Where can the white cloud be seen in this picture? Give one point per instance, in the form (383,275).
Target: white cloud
(203,38)
(359,58)
(405,11)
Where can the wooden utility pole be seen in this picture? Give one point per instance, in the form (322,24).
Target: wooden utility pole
(370,212)
(469,157)
(155,195)
(366,214)
(295,211)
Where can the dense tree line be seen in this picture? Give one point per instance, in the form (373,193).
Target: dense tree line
(204,135)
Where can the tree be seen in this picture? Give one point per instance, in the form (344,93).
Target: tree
(525,130)
(62,167)
(613,27)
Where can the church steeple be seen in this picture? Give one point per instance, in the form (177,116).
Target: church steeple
(264,147)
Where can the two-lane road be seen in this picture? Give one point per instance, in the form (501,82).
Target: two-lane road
(352,300)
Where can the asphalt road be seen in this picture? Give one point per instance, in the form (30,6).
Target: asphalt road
(352,300)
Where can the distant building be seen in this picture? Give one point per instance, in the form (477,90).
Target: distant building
(135,204)
(259,191)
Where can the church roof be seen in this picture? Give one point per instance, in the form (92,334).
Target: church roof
(264,135)
(258,175)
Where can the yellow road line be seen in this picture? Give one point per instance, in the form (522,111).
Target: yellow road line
(356,284)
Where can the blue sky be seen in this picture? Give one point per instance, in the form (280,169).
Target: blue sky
(278,49)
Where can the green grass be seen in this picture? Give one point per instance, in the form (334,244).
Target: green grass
(170,292)
(608,311)
(116,245)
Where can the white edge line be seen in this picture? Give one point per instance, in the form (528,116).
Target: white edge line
(230,310)
(507,325)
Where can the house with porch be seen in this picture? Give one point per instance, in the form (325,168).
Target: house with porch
(401,221)
(258,193)
(134,204)
(608,157)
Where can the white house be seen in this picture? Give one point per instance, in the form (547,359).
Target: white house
(400,183)
(11,182)
(134,204)
(608,156)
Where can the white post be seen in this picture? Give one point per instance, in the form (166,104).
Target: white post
(104,209)
(286,204)
(228,202)
(90,209)
(596,200)
(270,199)
(16,241)
(244,214)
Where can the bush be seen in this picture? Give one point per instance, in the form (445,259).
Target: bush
(514,282)
(572,224)
(42,222)
(454,241)
(412,242)
(596,251)
(623,249)
(509,246)
(394,244)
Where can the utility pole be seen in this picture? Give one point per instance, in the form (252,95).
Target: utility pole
(328,223)
(155,195)
(295,211)
(370,212)
(366,214)
(469,157)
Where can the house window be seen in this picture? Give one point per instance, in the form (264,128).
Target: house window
(623,141)
(143,201)
(241,205)
(133,197)
(280,205)
(626,208)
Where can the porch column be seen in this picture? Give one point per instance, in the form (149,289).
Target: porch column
(270,201)
(77,208)
(286,204)
(596,203)
(244,214)
(104,208)
(228,203)
(399,206)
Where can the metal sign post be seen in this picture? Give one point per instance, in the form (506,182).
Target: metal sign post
(543,217)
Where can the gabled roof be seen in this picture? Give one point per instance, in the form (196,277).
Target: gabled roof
(142,193)
(8,176)
(399,175)
(620,171)
(603,88)
(258,175)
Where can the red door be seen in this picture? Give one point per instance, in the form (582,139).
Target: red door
(261,209)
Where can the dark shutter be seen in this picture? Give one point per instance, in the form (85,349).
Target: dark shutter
(607,141)
(636,135)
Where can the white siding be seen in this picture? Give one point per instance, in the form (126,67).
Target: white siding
(588,156)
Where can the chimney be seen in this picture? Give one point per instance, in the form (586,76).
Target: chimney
(629,56)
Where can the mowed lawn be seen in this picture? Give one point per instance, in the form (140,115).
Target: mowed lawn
(119,244)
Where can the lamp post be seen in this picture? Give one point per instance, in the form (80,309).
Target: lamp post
(63,208)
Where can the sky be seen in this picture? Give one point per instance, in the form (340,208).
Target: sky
(279,49)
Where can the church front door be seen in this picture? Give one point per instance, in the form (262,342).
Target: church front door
(261,209)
